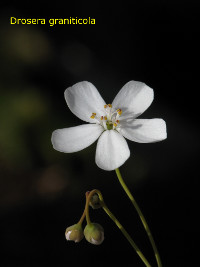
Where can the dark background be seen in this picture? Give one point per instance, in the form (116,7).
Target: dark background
(42,191)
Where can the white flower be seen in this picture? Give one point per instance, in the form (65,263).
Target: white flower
(109,122)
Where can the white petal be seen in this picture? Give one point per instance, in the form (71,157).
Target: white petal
(133,99)
(67,235)
(94,242)
(143,130)
(83,99)
(75,138)
(112,150)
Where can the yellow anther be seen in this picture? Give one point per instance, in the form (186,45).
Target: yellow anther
(117,121)
(119,111)
(92,117)
(110,106)
(94,114)
(115,124)
(105,118)
(105,106)
(101,117)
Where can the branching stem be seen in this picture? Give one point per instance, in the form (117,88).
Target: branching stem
(111,215)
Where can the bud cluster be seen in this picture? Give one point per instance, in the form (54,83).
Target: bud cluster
(93,232)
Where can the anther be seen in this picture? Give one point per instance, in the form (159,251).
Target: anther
(110,106)
(105,106)
(93,115)
(105,118)
(101,117)
(119,111)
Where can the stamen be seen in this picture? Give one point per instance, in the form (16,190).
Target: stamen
(110,120)
(119,111)
(93,115)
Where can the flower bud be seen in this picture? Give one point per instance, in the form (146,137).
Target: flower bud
(94,233)
(95,202)
(74,233)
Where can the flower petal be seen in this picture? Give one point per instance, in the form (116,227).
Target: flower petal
(144,130)
(83,99)
(74,139)
(133,99)
(112,150)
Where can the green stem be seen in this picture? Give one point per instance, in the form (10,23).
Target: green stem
(144,222)
(111,215)
(88,197)
(84,212)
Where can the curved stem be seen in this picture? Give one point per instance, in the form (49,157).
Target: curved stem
(125,233)
(84,212)
(144,222)
(88,197)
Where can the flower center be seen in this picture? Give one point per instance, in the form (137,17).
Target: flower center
(111,120)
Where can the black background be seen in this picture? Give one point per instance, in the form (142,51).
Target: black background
(41,190)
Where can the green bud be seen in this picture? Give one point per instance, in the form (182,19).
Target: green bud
(74,233)
(94,233)
(95,202)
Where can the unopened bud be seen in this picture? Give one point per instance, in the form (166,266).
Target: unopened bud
(95,202)
(74,233)
(94,233)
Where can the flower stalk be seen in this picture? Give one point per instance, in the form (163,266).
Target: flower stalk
(84,212)
(142,218)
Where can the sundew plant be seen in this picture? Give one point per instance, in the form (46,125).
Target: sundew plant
(110,124)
